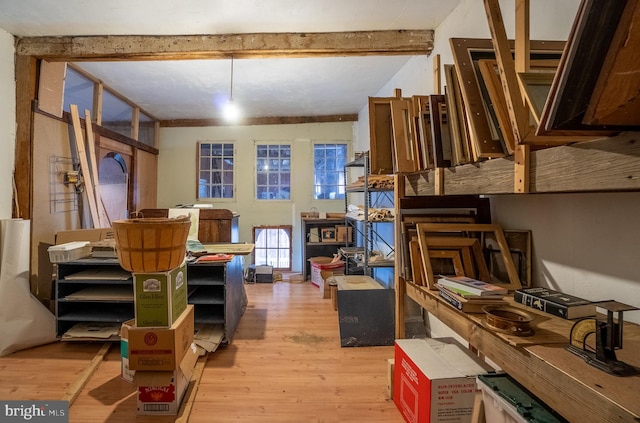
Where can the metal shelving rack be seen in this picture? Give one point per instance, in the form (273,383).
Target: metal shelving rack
(369,234)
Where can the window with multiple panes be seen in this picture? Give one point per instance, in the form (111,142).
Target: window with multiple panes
(328,171)
(272,246)
(215,170)
(273,171)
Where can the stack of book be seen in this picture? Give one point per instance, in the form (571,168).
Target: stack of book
(555,302)
(468,294)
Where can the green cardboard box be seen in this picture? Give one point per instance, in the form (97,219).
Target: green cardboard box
(160,298)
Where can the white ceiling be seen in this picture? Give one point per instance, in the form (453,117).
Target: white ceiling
(193,89)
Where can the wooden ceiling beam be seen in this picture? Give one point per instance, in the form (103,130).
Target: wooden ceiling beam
(270,120)
(259,45)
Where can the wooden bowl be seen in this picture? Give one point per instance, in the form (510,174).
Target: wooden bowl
(509,320)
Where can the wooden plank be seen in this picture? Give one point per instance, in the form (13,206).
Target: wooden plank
(269,120)
(221,46)
(103,217)
(84,164)
(615,99)
(190,395)
(607,164)
(74,390)
(515,106)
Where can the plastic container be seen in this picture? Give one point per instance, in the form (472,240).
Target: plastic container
(506,401)
(69,251)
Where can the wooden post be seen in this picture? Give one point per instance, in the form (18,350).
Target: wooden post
(399,282)
(522,60)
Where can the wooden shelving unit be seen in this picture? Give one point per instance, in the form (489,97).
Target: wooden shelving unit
(607,164)
(578,391)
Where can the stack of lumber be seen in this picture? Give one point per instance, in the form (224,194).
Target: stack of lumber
(374,182)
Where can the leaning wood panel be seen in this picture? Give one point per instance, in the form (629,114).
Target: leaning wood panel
(380,136)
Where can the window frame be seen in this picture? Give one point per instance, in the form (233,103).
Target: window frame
(288,229)
(233,170)
(279,143)
(342,183)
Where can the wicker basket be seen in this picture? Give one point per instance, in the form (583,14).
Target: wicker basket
(149,245)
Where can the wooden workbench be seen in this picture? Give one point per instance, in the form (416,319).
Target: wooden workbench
(578,391)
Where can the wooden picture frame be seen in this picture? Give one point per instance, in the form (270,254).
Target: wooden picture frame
(425,230)
(486,139)
(328,234)
(419,106)
(587,46)
(519,242)
(460,140)
(440,137)
(402,123)
(615,98)
(409,232)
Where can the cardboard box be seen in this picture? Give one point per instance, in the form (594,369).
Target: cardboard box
(160,298)
(344,234)
(90,235)
(318,264)
(125,372)
(435,380)
(325,288)
(161,393)
(160,348)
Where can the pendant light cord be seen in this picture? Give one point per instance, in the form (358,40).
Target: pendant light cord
(231,88)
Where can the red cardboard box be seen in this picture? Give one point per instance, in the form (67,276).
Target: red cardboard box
(435,380)
(319,264)
(160,393)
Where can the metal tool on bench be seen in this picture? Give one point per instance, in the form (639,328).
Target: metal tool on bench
(608,338)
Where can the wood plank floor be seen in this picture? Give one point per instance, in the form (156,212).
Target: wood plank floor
(285,364)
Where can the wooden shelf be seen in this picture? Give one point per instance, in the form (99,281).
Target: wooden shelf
(578,391)
(607,164)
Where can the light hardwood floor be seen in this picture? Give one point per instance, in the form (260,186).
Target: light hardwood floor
(285,364)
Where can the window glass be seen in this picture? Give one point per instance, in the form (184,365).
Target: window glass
(116,114)
(216,170)
(146,130)
(328,171)
(273,171)
(77,90)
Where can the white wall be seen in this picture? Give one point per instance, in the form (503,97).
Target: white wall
(7,122)
(177,173)
(583,244)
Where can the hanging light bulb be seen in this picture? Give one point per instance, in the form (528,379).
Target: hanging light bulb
(231,112)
